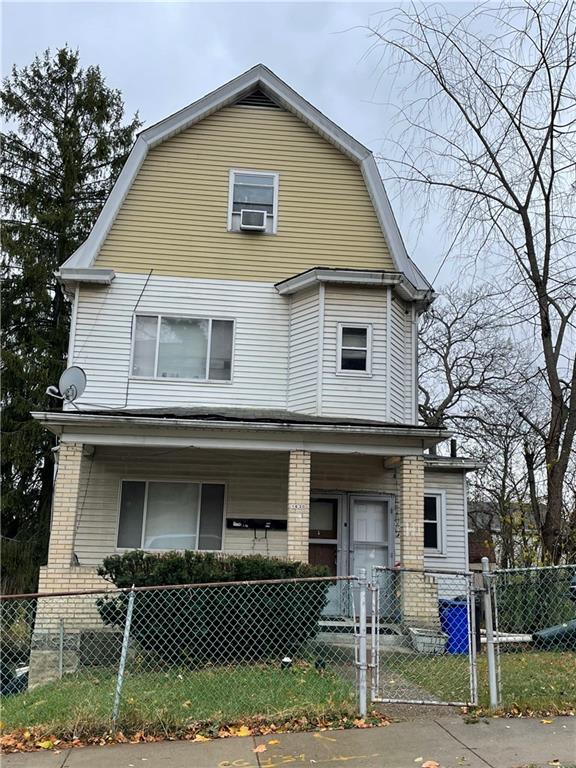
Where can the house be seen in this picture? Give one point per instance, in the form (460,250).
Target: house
(246,315)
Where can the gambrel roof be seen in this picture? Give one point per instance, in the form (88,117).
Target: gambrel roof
(258,82)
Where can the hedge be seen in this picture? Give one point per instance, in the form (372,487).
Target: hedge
(236,622)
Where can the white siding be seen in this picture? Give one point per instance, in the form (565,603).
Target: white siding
(275,363)
(358,396)
(453,486)
(103,340)
(303,359)
(401,363)
(256,486)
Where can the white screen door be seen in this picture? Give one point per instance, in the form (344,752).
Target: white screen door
(370,528)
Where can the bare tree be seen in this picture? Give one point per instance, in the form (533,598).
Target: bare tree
(501,493)
(493,131)
(464,356)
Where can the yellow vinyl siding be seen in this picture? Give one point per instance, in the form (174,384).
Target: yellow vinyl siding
(174,218)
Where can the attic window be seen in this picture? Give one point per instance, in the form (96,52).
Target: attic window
(253,191)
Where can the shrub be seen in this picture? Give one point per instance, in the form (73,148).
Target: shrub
(529,601)
(224,622)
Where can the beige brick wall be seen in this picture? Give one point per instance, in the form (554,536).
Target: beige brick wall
(78,611)
(65,505)
(411,511)
(298,505)
(419,591)
(420,600)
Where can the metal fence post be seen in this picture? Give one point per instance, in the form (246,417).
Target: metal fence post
(362,645)
(375,636)
(490,652)
(61,649)
(123,655)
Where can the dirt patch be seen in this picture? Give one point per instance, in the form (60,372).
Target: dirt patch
(404,712)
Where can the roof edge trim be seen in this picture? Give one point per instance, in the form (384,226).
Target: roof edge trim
(94,275)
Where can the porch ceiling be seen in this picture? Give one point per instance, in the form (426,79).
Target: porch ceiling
(240,428)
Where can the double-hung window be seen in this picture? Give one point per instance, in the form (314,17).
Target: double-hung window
(182,348)
(434,523)
(170,515)
(354,348)
(253,191)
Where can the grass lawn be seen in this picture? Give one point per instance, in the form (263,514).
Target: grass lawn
(538,681)
(81,705)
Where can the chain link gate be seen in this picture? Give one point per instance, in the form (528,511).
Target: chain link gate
(422,627)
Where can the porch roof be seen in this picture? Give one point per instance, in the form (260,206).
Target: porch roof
(258,429)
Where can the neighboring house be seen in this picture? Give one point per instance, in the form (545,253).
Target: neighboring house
(246,314)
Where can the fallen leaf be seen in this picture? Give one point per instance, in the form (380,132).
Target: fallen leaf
(187,704)
(430,764)
(243,730)
(546,722)
(274,741)
(47,744)
(418,759)
(260,748)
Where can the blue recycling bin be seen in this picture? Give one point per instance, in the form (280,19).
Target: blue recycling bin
(454,623)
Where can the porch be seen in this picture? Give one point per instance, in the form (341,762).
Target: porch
(347,496)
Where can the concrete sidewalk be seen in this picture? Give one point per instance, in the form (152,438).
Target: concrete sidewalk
(449,741)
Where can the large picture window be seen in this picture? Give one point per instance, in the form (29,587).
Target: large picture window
(170,515)
(182,348)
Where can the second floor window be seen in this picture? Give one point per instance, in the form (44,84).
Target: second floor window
(354,348)
(182,348)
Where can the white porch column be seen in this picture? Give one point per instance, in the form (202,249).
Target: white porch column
(298,505)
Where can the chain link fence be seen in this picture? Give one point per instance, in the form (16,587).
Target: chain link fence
(535,635)
(175,655)
(162,658)
(423,637)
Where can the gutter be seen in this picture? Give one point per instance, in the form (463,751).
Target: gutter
(57,421)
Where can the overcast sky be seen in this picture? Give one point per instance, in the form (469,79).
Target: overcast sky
(164,55)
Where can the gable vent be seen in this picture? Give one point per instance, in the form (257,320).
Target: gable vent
(257,99)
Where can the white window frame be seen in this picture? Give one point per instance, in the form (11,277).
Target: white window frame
(155,377)
(361,327)
(146,482)
(440,497)
(231,178)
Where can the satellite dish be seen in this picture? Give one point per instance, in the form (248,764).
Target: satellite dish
(72,383)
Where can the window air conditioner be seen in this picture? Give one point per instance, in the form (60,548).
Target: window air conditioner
(254,221)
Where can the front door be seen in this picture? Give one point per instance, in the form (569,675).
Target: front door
(371,533)
(348,532)
(323,543)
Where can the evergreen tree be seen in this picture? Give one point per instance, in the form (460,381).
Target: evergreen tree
(64,142)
